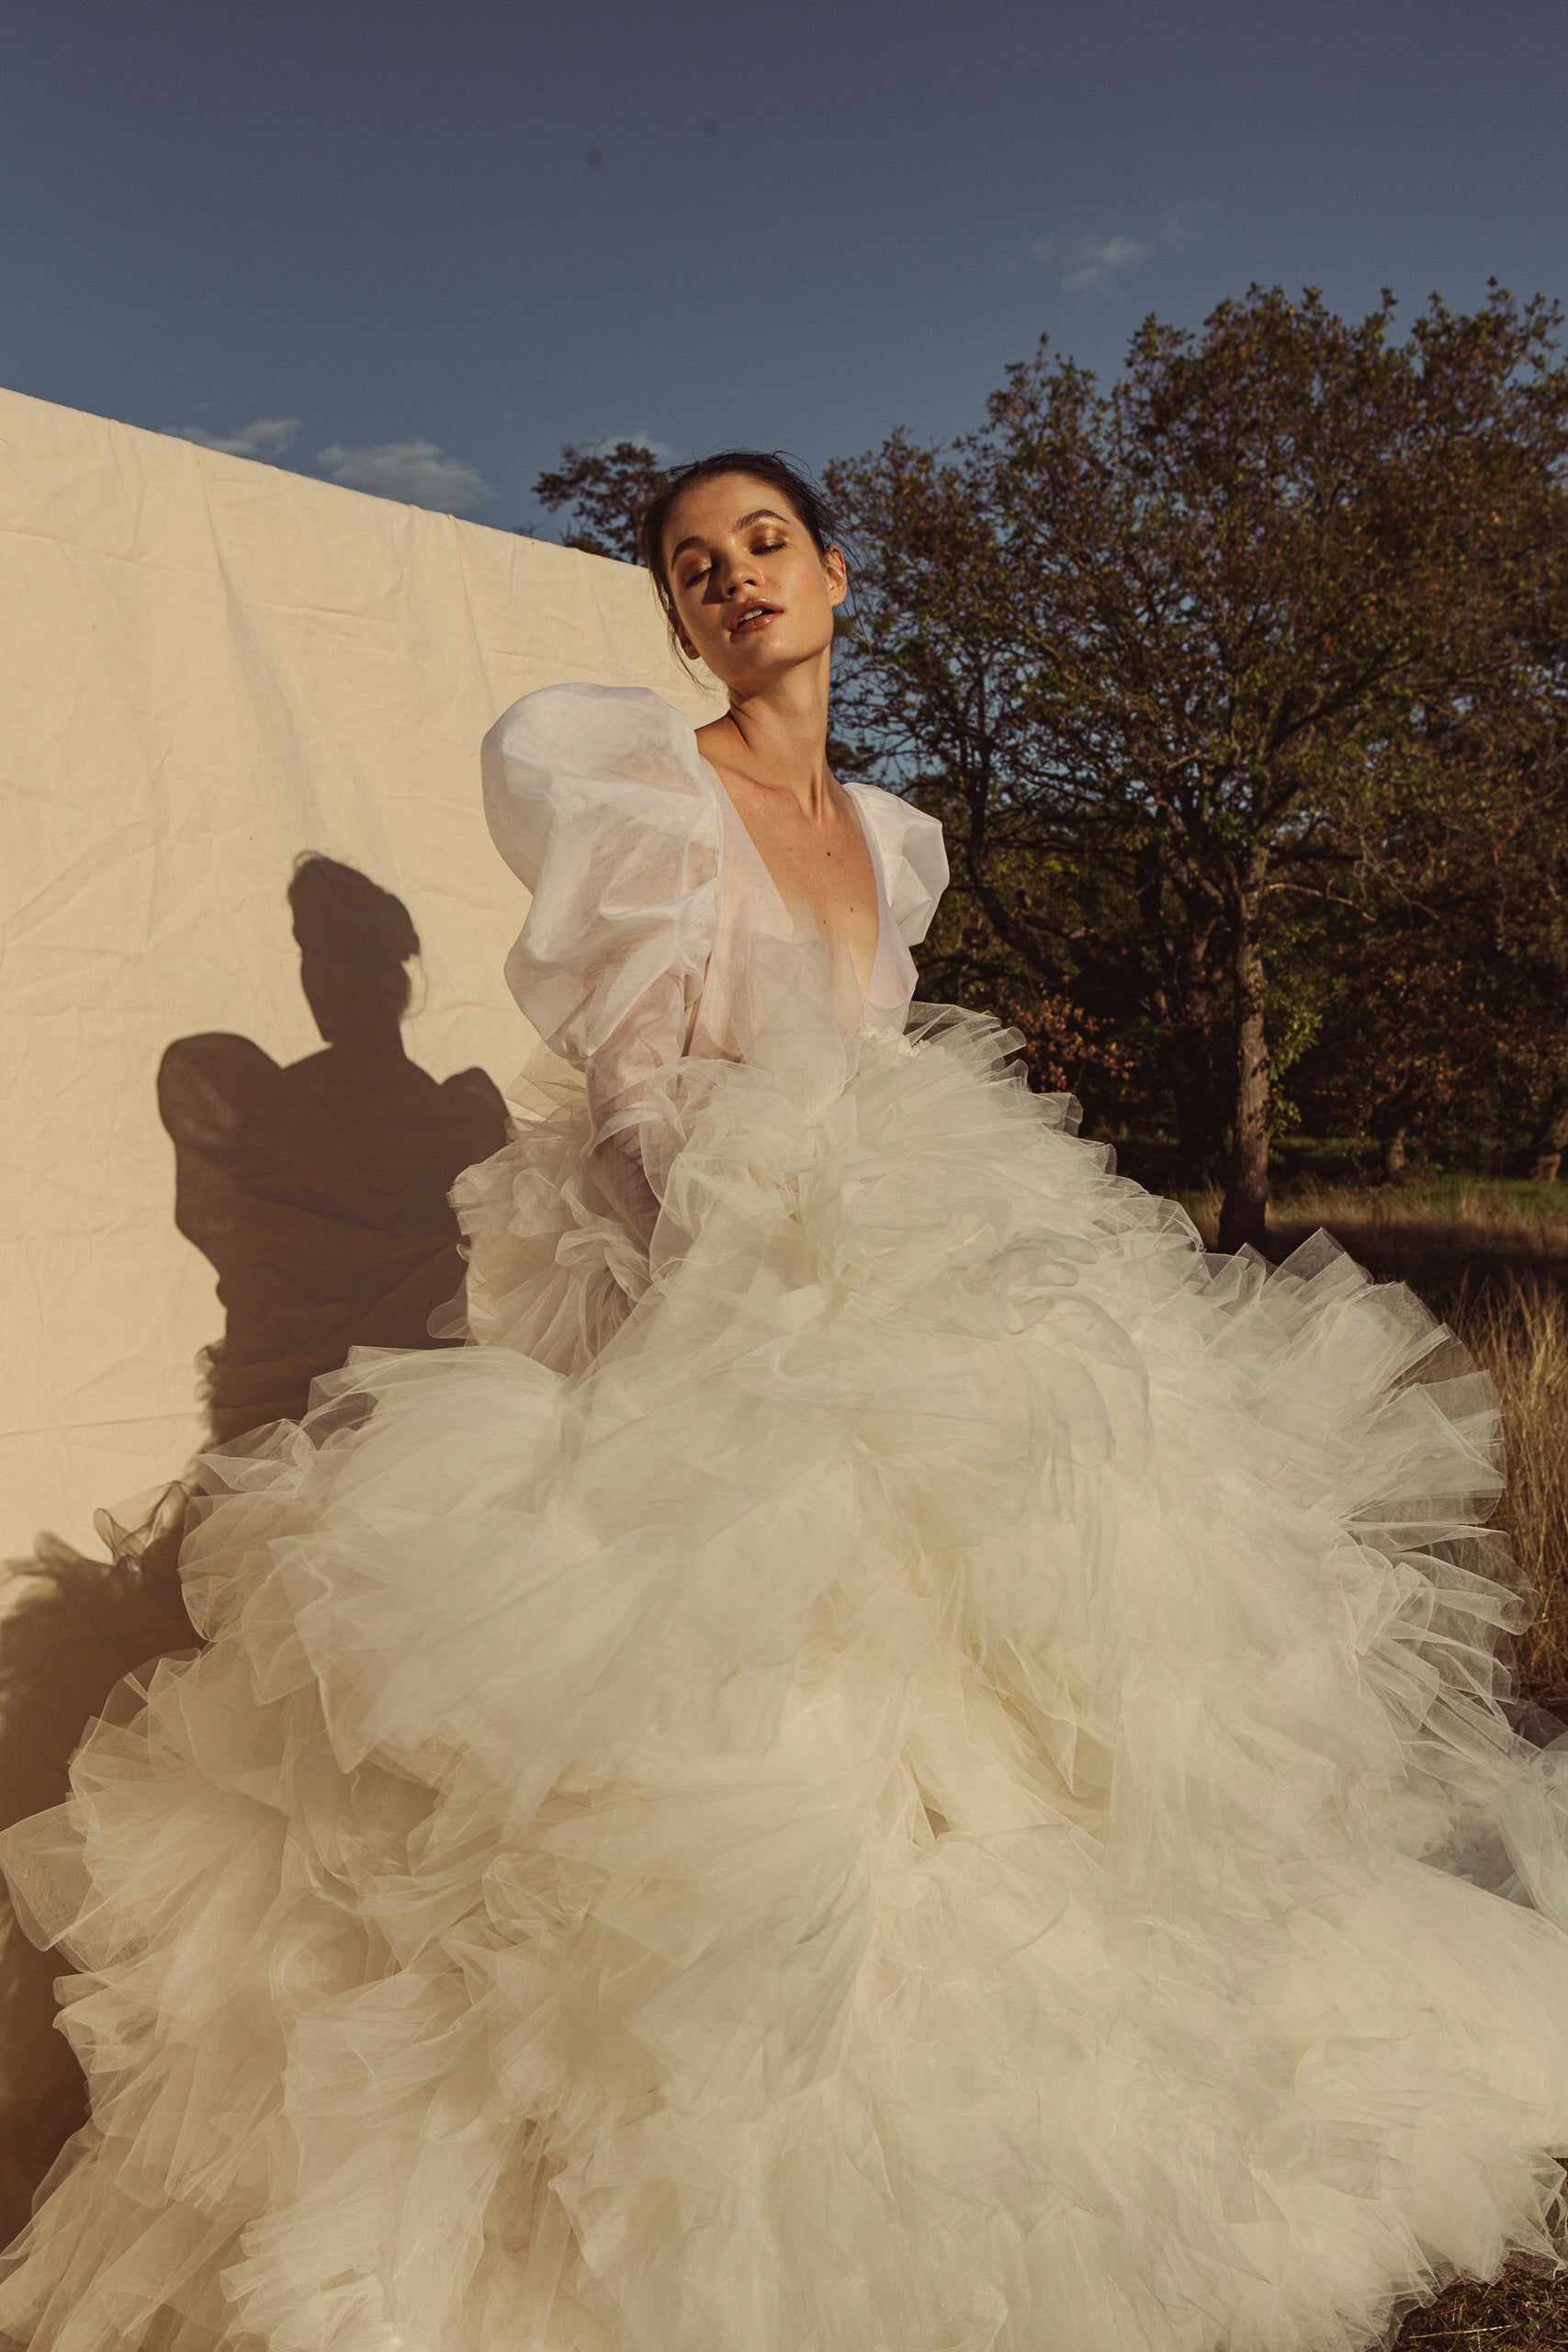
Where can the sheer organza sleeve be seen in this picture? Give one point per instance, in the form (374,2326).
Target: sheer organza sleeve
(913,861)
(596,799)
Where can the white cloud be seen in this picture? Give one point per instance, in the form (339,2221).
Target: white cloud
(421,473)
(266,438)
(1094,264)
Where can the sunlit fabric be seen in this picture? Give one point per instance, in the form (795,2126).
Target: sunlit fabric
(211,666)
(917,1764)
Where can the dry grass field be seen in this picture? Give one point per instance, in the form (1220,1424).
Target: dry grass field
(1491,1257)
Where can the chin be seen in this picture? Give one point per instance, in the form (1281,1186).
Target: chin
(744,664)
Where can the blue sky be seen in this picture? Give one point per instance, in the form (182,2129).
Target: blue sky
(418,247)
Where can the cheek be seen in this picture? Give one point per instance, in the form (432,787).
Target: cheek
(810,588)
(693,615)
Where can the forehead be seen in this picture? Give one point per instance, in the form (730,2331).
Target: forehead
(711,509)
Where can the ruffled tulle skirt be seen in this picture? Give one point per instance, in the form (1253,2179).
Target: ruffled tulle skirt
(927,1771)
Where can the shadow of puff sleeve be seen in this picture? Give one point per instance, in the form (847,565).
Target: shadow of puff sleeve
(914,862)
(596,798)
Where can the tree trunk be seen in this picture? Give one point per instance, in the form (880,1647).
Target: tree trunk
(1395,1157)
(1550,1140)
(1245,1216)
(1183,999)
(1199,1125)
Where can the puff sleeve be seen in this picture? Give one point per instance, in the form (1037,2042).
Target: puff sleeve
(596,799)
(913,861)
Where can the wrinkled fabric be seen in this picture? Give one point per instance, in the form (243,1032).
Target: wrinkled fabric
(207,666)
(919,1764)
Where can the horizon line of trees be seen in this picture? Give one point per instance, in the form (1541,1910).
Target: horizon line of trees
(1241,689)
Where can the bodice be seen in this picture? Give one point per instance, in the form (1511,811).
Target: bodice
(656,931)
(751,908)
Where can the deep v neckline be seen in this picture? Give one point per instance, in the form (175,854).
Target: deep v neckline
(877,881)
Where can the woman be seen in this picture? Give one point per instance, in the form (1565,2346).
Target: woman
(895,1760)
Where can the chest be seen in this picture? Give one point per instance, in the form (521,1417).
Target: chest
(824,862)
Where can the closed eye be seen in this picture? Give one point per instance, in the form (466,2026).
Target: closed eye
(758,546)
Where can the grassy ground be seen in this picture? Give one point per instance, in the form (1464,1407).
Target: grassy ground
(1523,2312)
(1490,1255)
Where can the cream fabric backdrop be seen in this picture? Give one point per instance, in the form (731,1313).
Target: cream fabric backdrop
(208,666)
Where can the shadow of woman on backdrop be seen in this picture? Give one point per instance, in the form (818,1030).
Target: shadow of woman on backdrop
(318,1193)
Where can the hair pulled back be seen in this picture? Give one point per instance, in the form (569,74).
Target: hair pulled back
(791,483)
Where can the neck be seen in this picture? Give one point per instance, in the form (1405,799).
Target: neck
(783,733)
(370,1043)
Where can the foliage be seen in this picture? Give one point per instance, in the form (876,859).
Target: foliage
(1239,687)
(606,486)
(1447,1013)
(1193,667)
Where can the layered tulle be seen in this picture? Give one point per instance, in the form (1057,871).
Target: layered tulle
(71,1626)
(929,1769)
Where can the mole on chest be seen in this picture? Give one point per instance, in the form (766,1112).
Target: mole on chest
(828,862)
(824,861)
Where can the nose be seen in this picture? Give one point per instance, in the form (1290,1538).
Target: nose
(736,570)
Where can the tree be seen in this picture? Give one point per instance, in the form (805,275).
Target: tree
(1201,643)
(1446,983)
(607,485)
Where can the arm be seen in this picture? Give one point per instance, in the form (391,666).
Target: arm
(597,797)
(618,1077)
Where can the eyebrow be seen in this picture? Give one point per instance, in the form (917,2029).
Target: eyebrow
(693,539)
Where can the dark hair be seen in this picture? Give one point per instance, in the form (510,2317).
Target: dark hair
(793,485)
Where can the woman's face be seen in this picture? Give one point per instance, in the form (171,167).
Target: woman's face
(751,594)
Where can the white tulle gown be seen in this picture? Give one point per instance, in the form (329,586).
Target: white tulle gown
(908,1764)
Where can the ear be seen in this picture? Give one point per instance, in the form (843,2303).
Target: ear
(838,573)
(684,642)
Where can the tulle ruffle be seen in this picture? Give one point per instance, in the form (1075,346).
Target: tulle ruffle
(71,1626)
(923,1767)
